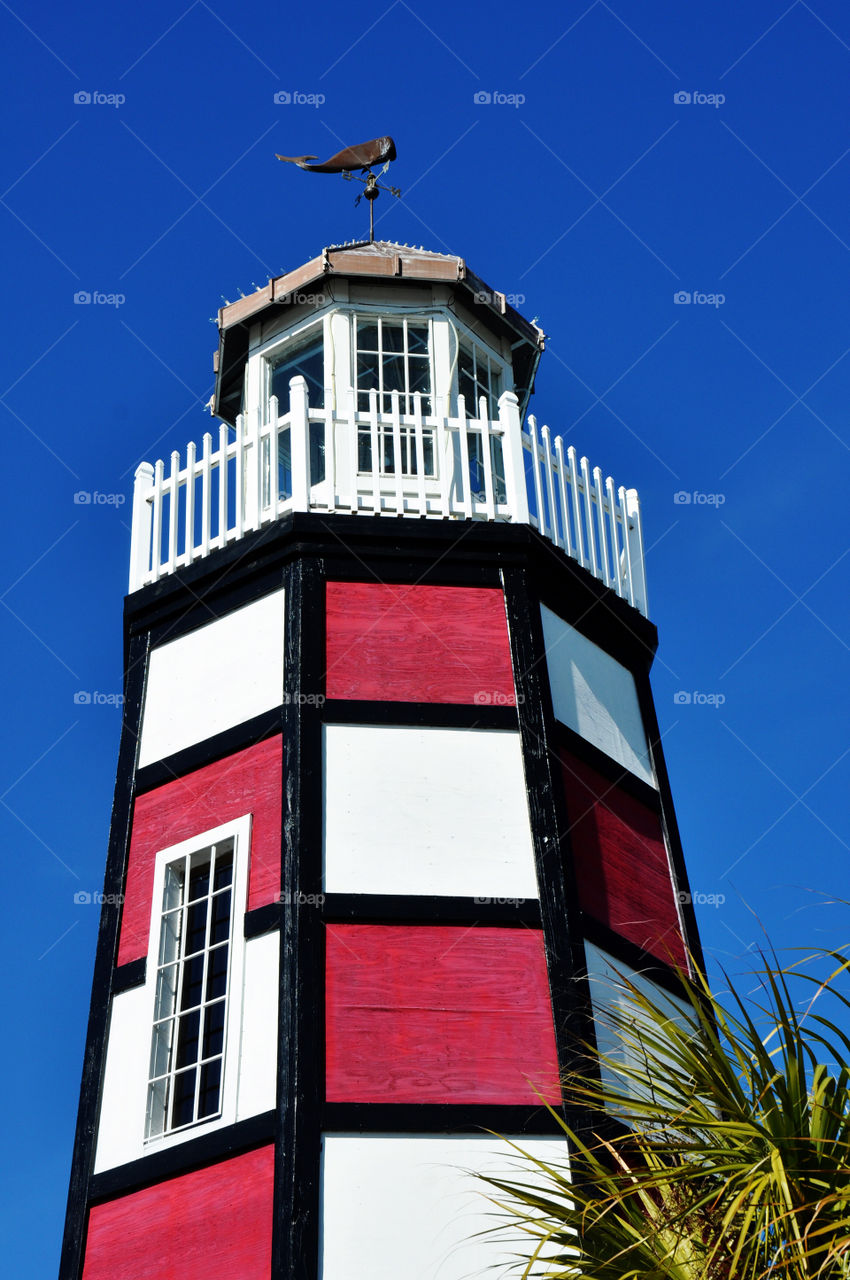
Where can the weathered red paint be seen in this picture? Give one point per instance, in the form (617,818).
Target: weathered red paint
(621,862)
(214,1222)
(438,1014)
(247,782)
(418,644)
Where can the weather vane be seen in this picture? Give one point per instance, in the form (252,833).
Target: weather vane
(378,151)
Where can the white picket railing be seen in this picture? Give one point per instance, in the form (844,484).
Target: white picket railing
(378,463)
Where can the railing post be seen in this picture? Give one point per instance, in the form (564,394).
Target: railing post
(509,421)
(140,534)
(299,436)
(634,533)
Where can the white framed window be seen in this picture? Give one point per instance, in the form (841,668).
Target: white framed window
(479,373)
(394,353)
(194,981)
(301,355)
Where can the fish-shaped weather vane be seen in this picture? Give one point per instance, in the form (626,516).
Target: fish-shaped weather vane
(363,156)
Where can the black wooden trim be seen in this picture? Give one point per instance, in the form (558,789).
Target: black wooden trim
(221,745)
(301,1066)
(391,570)
(628,953)
(559,904)
(377,908)
(262,920)
(127,976)
(431,715)
(82,1164)
(397,1117)
(194,1153)
(614,772)
(604,619)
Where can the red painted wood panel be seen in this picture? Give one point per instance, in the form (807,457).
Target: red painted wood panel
(212,1224)
(418,644)
(437,1014)
(621,862)
(247,782)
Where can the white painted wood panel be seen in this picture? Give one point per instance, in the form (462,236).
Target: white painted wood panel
(257,1087)
(595,695)
(213,678)
(426,811)
(410,1205)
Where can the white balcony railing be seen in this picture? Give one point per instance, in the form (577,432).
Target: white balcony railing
(374,463)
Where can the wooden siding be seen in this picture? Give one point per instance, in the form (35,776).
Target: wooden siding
(621,862)
(248,782)
(418,644)
(212,1224)
(437,1014)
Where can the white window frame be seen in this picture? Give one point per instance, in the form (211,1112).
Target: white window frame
(239,831)
(495,363)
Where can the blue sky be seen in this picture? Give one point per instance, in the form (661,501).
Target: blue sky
(590,191)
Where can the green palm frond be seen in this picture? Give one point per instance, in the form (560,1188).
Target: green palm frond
(732,1155)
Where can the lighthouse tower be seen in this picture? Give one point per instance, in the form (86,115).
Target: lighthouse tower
(390,804)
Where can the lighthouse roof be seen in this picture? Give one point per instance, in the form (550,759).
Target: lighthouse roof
(381,260)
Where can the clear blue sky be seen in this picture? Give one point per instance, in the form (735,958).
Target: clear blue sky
(598,198)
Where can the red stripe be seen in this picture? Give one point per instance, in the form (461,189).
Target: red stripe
(248,782)
(437,1014)
(212,1222)
(418,644)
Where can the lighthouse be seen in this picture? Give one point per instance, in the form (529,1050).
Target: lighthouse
(391,804)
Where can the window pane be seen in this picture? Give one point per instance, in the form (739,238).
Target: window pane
(166,991)
(417,338)
(393,336)
(420,374)
(199,881)
(213,1029)
(161,1048)
(183,1104)
(210,1088)
(367,374)
(308,360)
(196,927)
(364,451)
(367,335)
(217,972)
(220,923)
(223,868)
(317,452)
(169,940)
(157,1108)
(172,892)
(193,981)
(187,1038)
(393,370)
(466,387)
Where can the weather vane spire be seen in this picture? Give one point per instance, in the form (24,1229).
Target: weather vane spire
(378,151)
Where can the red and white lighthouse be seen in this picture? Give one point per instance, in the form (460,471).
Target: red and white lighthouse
(390,803)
